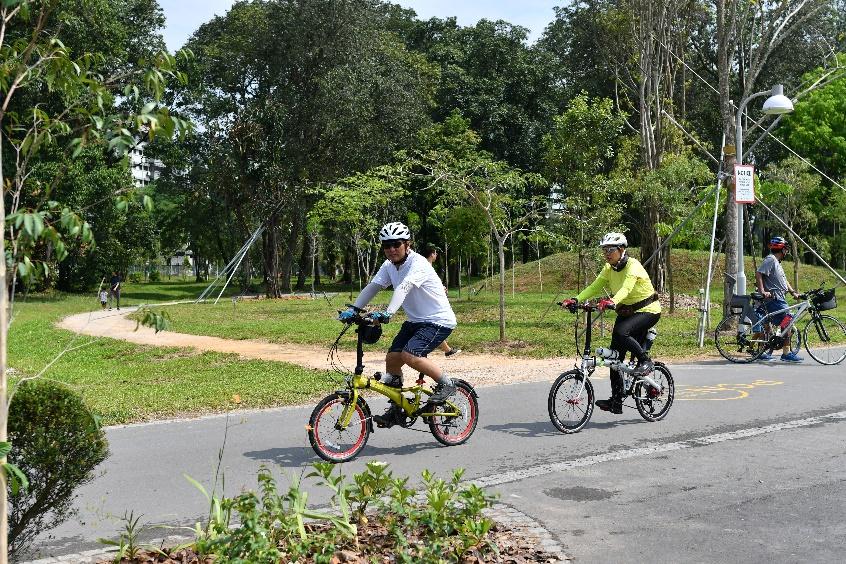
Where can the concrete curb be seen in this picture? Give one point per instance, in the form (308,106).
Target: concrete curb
(501,513)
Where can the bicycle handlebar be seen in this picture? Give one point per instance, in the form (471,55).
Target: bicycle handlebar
(585,306)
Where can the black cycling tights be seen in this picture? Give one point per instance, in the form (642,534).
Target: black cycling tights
(629,333)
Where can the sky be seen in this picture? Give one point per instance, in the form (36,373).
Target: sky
(185,16)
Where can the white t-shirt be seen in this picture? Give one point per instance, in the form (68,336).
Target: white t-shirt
(418,289)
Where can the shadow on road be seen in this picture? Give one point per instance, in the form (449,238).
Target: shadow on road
(615,423)
(528,429)
(299,456)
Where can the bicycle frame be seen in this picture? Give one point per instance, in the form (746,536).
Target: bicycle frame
(589,361)
(358,381)
(801,308)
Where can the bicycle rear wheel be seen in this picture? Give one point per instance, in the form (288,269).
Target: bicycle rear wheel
(331,443)
(454,430)
(827,336)
(654,404)
(736,341)
(570,403)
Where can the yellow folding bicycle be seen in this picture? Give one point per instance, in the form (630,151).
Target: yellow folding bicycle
(341,423)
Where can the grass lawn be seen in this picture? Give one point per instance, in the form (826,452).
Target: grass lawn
(533,329)
(125,382)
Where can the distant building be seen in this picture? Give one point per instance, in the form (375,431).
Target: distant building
(144,170)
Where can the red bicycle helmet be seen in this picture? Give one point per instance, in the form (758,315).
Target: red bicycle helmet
(777,243)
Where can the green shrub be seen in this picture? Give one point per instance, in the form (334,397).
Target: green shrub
(441,524)
(154,275)
(57,442)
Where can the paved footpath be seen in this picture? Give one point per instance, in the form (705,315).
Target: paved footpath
(487,369)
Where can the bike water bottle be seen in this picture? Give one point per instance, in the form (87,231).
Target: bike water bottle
(607,354)
(650,338)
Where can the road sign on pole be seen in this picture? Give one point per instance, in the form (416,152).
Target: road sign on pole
(744,184)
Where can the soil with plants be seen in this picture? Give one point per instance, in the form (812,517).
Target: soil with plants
(513,546)
(374,517)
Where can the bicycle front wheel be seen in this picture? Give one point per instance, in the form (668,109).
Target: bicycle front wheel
(654,403)
(825,340)
(570,402)
(332,443)
(736,341)
(454,430)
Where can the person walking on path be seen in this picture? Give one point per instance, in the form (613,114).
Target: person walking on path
(431,254)
(114,289)
(772,283)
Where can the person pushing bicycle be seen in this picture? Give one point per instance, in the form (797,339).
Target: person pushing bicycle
(419,291)
(773,284)
(637,306)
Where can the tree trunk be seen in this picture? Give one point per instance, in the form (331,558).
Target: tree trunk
(315,266)
(670,281)
(726,25)
(305,264)
(271,258)
(657,269)
(446,265)
(288,254)
(501,252)
(349,260)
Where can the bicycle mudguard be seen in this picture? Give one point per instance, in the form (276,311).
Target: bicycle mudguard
(466,383)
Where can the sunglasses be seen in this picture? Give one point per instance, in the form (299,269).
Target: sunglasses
(608,250)
(392,244)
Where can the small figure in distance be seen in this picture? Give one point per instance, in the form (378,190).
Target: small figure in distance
(431,253)
(104,298)
(114,289)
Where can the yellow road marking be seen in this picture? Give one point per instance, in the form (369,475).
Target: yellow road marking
(723,392)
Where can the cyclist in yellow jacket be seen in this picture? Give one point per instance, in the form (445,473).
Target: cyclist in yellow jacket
(637,306)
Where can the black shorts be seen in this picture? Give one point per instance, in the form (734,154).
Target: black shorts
(419,339)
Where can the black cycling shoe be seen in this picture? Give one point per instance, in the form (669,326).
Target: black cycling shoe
(442,392)
(611,404)
(644,367)
(391,417)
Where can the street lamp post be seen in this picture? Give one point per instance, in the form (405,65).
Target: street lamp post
(777,103)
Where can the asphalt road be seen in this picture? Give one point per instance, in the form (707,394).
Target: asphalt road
(749,466)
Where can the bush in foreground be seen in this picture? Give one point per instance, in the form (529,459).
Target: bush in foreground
(57,443)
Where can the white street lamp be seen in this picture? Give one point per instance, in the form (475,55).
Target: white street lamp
(776,104)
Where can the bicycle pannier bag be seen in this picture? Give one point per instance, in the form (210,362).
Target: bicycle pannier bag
(825,301)
(738,303)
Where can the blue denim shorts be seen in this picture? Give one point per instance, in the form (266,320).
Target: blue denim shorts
(419,339)
(776,304)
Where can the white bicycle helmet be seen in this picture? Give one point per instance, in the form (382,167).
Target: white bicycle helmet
(614,240)
(393,231)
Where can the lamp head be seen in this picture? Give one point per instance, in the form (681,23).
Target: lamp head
(778,103)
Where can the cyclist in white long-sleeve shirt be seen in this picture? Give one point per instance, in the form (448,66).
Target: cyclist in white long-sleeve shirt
(419,291)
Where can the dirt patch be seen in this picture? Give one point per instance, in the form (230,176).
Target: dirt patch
(488,369)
